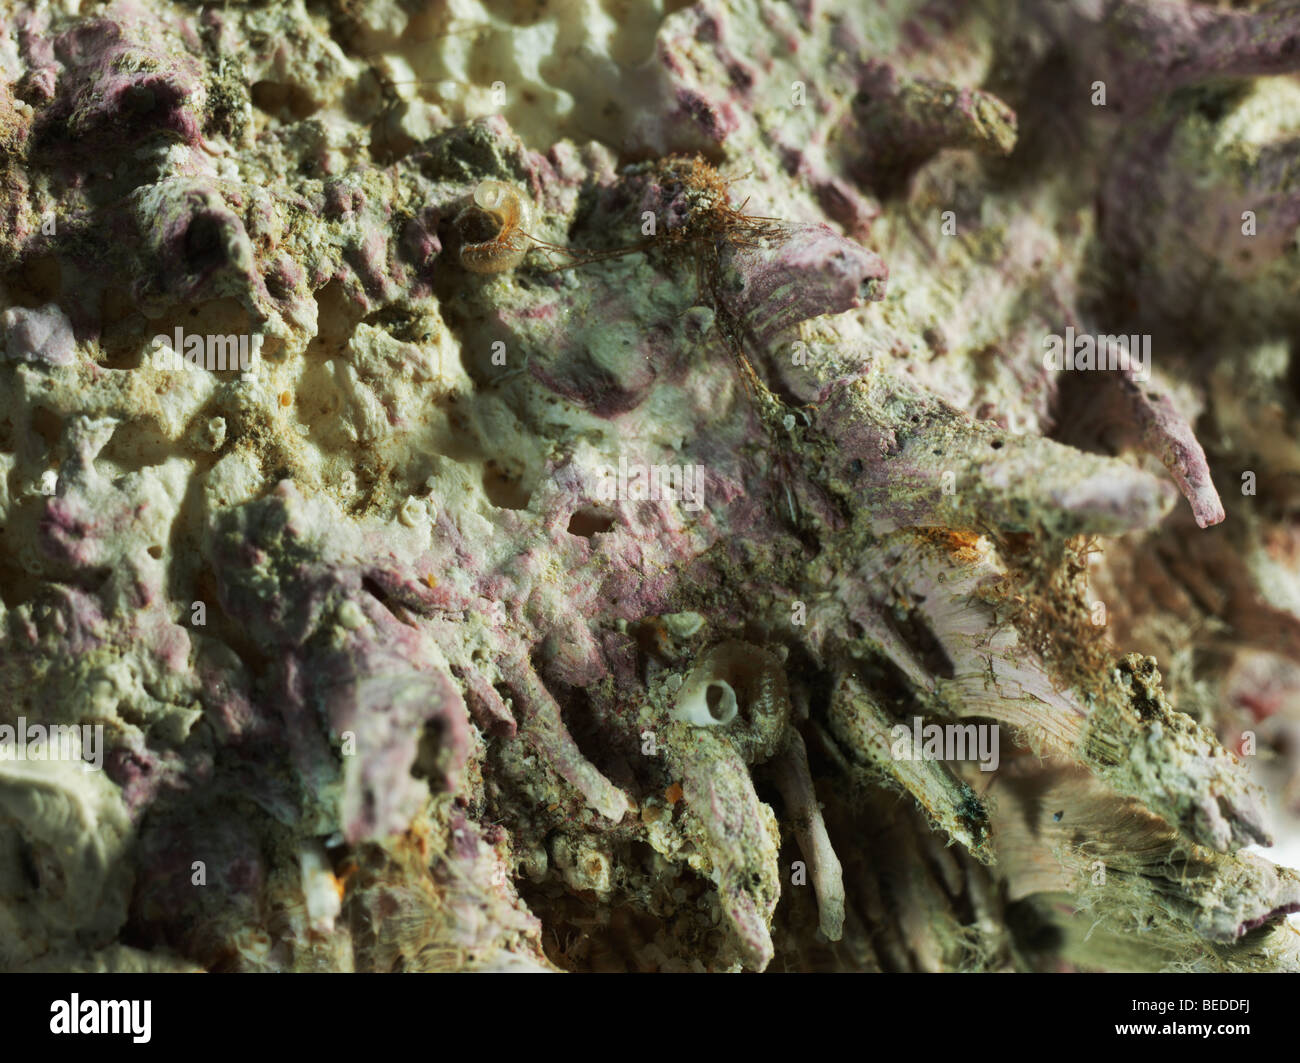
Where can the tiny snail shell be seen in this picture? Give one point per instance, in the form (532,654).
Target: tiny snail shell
(492,229)
(743,688)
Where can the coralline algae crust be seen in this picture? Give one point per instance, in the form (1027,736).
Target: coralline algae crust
(646,417)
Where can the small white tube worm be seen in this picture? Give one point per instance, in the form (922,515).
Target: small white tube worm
(794,780)
(320,889)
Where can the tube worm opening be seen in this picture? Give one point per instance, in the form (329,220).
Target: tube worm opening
(720,700)
(741,687)
(492,228)
(707,701)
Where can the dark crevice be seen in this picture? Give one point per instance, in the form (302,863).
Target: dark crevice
(588,522)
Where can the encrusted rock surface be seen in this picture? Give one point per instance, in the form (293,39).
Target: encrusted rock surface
(497,477)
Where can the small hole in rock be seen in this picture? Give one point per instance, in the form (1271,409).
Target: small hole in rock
(589,522)
(504,486)
(48,425)
(204,247)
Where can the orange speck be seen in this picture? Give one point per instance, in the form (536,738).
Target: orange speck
(285,398)
(418,836)
(673,794)
(963,546)
(345,872)
(431,580)
(551,808)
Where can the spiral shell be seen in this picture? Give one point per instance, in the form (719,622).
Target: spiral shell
(492,229)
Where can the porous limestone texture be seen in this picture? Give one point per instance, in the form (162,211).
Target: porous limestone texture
(505,478)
